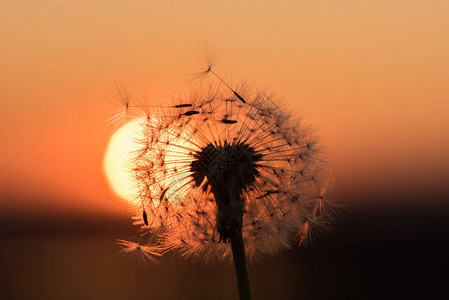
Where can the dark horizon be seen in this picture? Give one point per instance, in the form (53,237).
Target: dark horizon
(375,252)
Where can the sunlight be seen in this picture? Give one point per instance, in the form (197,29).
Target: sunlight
(118,161)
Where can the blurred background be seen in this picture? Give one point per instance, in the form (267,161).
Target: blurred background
(371,76)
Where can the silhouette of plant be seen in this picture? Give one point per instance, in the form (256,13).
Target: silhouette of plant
(220,165)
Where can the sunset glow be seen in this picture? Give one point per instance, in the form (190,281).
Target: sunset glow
(370,75)
(135,153)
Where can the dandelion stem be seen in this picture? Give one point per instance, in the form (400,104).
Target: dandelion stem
(241,268)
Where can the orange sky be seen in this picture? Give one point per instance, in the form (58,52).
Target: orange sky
(372,76)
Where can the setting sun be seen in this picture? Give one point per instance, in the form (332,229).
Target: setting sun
(118,161)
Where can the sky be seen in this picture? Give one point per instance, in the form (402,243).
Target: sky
(371,76)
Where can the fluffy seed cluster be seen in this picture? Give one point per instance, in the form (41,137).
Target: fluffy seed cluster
(215,162)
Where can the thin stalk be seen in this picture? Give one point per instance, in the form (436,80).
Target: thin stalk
(241,268)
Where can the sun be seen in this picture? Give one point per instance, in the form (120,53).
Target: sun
(118,160)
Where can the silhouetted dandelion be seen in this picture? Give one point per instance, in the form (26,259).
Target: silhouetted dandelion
(218,166)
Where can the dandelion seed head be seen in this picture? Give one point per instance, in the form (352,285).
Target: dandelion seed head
(210,164)
(216,161)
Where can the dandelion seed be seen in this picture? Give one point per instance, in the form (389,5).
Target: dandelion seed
(163,194)
(227,121)
(146,254)
(123,98)
(191,113)
(183,105)
(145,218)
(207,65)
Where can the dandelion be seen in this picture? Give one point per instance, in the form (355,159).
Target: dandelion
(224,173)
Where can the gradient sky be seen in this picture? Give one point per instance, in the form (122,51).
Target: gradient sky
(371,76)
